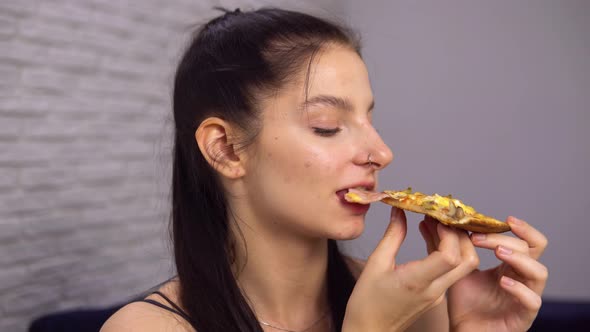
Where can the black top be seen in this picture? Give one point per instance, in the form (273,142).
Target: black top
(175,308)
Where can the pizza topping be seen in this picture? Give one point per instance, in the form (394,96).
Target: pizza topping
(460,213)
(429,205)
(363,196)
(446,209)
(451,207)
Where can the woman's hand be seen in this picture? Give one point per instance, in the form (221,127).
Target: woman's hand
(504,298)
(389,297)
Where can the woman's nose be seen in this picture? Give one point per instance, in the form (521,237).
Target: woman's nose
(375,152)
(380,155)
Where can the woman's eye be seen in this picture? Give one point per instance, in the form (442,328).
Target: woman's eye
(326,131)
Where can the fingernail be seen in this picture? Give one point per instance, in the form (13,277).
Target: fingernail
(516,221)
(478,237)
(504,251)
(507,281)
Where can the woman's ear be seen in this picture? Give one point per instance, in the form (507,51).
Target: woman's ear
(215,140)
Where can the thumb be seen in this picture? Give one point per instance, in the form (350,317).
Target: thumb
(383,257)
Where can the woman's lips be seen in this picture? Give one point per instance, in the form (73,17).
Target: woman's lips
(355,208)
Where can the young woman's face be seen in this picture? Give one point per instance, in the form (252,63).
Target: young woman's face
(308,153)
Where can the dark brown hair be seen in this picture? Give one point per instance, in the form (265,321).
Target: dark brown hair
(229,64)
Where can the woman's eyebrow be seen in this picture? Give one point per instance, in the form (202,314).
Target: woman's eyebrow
(336,102)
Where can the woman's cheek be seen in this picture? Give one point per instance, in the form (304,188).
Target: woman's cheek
(326,158)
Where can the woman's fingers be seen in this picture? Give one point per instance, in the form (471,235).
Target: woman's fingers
(537,242)
(448,254)
(533,272)
(454,258)
(492,241)
(383,257)
(469,262)
(431,225)
(430,246)
(527,297)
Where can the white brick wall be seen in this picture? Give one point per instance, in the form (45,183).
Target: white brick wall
(84,140)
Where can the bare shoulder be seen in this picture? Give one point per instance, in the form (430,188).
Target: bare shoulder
(140,316)
(356,265)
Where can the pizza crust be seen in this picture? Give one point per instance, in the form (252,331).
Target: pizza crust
(444,209)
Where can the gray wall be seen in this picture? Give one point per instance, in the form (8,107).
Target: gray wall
(84,146)
(490,101)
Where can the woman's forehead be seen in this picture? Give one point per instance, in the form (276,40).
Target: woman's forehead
(337,77)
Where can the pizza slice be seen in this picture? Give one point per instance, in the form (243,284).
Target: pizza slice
(446,209)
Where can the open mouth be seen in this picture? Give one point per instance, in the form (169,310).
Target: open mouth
(356,208)
(343,192)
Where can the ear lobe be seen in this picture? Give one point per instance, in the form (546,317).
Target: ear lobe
(214,140)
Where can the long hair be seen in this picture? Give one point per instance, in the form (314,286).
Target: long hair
(230,64)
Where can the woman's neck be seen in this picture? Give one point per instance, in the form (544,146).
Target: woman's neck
(283,278)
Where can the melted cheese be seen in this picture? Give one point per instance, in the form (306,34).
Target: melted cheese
(354,198)
(433,202)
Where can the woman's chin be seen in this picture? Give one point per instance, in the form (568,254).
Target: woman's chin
(350,231)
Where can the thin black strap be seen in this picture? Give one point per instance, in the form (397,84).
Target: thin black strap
(176,309)
(184,314)
(158,304)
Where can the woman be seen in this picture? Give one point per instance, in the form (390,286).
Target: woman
(272,113)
